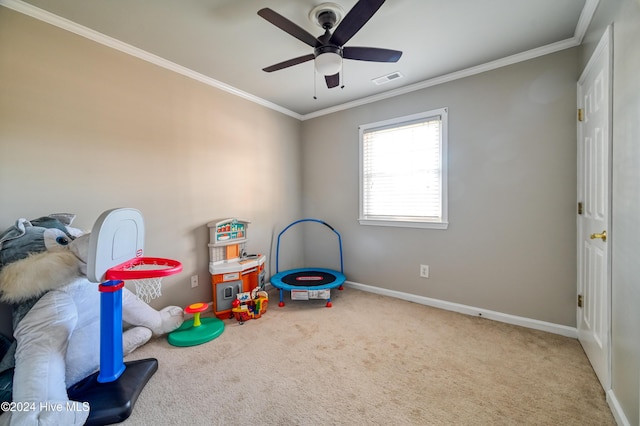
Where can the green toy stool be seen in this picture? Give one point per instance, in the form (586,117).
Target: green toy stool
(198,330)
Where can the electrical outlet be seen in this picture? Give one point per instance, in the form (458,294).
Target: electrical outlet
(194,281)
(424,271)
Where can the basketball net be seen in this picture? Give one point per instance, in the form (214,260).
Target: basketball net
(148,289)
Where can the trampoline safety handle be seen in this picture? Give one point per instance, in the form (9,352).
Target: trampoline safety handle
(307,220)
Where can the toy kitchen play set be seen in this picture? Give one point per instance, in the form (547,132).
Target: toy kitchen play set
(232,270)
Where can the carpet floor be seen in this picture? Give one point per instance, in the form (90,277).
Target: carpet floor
(374,360)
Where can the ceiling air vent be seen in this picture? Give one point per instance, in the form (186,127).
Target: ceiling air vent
(387,78)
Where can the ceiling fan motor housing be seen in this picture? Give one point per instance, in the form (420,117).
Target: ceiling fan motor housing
(327,19)
(327,48)
(326,15)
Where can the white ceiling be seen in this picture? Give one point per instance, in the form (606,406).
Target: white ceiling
(226,44)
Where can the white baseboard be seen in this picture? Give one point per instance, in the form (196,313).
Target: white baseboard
(616,409)
(562,330)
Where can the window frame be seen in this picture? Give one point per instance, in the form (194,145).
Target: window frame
(403,221)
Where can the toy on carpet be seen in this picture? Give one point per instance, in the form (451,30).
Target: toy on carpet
(308,283)
(250,305)
(198,330)
(56,319)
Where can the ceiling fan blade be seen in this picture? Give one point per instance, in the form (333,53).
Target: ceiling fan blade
(289,27)
(373,54)
(354,20)
(332,80)
(289,63)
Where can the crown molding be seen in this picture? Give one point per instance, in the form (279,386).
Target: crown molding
(583,23)
(446,78)
(586,16)
(63,23)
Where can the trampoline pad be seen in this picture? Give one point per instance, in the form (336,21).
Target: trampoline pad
(308,278)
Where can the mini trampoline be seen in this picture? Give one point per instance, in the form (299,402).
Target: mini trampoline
(308,279)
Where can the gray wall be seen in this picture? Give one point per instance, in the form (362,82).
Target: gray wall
(510,246)
(85,128)
(624,15)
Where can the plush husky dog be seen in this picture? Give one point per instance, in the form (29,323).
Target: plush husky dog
(56,319)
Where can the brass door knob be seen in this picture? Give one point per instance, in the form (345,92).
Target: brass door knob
(603,236)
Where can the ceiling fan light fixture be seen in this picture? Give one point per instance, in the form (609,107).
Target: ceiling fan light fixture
(328,50)
(328,63)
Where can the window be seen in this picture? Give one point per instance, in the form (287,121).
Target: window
(403,179)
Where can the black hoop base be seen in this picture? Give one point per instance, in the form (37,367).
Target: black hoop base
(113,402)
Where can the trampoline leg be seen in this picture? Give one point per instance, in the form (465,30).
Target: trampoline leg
(329,303)
(281,304)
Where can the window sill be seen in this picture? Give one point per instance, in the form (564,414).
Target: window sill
(404,223)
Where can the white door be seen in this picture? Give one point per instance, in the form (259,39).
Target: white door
(594,233)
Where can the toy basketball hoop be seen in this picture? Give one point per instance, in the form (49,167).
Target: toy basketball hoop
(146,274)
(116,252)
(116,248)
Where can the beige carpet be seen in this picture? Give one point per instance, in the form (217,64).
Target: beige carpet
(373,360)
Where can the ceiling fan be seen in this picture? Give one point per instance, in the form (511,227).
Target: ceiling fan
(329,49)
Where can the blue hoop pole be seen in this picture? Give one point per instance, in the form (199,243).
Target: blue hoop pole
(111,361)
(308,220)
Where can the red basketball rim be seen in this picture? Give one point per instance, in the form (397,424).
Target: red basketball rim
(125,271)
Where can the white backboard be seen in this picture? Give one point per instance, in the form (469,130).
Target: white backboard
(117,236)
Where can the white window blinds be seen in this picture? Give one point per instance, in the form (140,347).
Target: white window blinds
(402,170)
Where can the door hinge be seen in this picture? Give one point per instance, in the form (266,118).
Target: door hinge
(580,114)
(579,301)
(580,207)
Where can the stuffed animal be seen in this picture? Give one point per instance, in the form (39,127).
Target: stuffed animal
(56,320)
